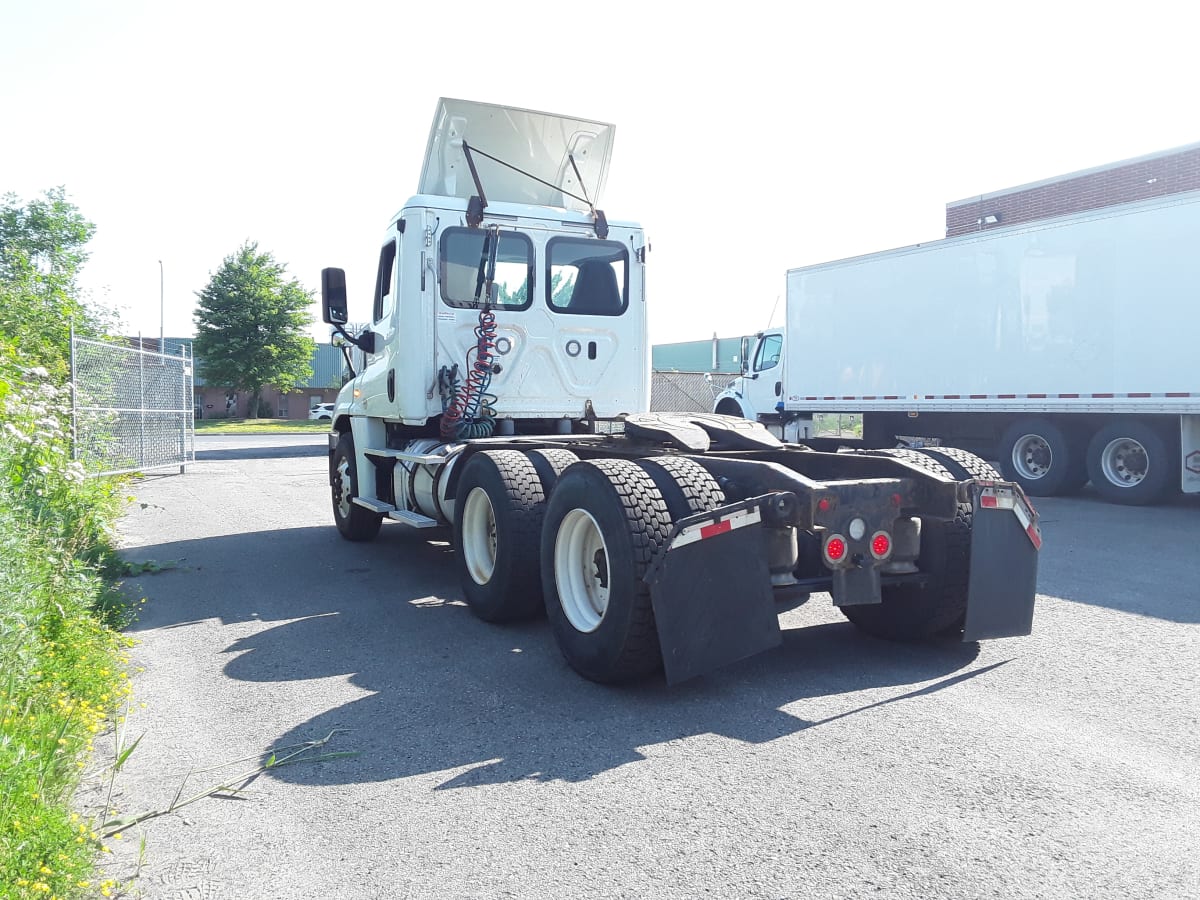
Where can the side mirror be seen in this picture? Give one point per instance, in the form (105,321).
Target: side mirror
(744,356)
(333,297)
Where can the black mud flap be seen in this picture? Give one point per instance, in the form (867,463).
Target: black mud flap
(1005,542)
(713,601)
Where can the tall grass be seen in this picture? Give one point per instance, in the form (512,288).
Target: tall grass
(61,654)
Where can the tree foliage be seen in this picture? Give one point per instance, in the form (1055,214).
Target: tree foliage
(251,326)
(41,253)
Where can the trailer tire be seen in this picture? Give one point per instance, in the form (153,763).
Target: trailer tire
(500,503)
(1044,459)
(917,611)
(962,463)
(354,522)
(604,524)
(1131,463)
(686,486)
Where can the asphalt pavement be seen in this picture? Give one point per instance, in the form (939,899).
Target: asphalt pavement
(1062,765)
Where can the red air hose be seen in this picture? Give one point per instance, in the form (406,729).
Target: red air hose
(463,411)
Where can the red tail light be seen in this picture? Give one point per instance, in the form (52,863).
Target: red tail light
(881,545)
(835,548)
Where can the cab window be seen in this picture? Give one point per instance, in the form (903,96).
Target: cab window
(769,349)
(384,283)
(587,277)
(464,254)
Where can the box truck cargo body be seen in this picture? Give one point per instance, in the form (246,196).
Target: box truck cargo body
(1065,349)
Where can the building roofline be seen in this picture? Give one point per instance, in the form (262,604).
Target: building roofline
(1004,192)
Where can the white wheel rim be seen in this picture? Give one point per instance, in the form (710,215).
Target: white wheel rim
(479,536)
(344,488)
(1124,462)
(1032,456)
(581,571)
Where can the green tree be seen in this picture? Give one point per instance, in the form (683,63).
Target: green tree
(251,324)
(41,253)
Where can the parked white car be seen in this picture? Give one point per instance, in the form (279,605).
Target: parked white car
(321,411)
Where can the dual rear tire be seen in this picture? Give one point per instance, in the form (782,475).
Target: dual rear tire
(540,530)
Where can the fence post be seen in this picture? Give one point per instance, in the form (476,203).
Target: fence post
(74,400)
(141,403)
(188,411)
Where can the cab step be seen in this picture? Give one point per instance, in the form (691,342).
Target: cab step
(412,519)
(425,459)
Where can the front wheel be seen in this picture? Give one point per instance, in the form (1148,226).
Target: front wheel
(604,524)
(356,523)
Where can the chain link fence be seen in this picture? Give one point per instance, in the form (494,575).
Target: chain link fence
(131,408)
(685,391)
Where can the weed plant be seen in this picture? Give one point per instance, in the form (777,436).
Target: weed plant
(61,652)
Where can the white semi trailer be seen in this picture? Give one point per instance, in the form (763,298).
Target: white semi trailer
(504,394)
(1065,349)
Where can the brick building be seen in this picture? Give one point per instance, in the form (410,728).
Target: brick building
(1153,175)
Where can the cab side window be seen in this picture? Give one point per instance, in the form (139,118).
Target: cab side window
(385,283)
(769,349)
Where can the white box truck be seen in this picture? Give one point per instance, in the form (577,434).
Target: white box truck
(503,395)
(1066,349)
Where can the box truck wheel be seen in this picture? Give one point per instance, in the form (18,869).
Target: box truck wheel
(356,523)
(1131,463)
(497,531)
(913,611)
(1042,457)
(604,523)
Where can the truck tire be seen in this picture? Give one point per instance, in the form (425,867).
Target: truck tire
(918,458)
(962,463)
(916,611)
(1131,463)
(354,522)
(497,531)
(604,524)
(550,464)
(685,485)
(1042,458)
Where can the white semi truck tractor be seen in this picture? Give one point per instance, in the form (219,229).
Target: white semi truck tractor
(1063,349)
(504,392)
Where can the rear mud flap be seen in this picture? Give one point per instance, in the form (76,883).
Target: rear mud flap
(713,603)
(1005,543)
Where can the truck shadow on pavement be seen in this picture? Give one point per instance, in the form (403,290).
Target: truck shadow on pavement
(450,691)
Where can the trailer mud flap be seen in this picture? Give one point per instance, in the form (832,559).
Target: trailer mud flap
(1005,542)
(713,601)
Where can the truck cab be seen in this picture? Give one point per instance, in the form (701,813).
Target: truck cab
(758,393)
(558,335)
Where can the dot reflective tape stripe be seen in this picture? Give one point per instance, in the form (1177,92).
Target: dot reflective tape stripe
(704,530)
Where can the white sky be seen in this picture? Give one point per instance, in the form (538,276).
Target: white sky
(750,137)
